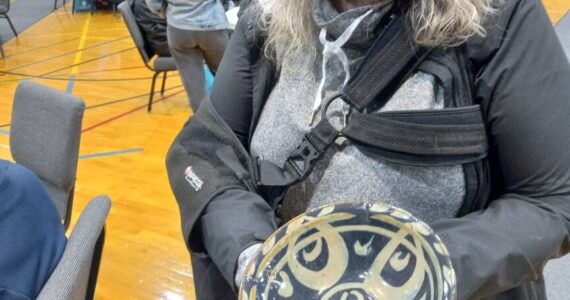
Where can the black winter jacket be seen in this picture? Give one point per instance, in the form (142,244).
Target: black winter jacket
(521,79)
(153,28)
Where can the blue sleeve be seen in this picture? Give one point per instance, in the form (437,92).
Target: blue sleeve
(32,239)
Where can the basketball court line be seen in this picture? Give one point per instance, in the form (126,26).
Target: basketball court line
(78,56)
(29,76)
(62,55)
(126,99)
(103,104)
(107,121)
(111,153)
(88,61)
(41,48)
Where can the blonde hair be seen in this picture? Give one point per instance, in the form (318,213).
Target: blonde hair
(433,23)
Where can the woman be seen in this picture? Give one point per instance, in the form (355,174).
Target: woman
(197,31)
(502,215)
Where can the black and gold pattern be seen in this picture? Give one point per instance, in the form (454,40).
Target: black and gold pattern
(352,251)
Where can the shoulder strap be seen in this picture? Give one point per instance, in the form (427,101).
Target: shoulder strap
(391,59)
(388,63)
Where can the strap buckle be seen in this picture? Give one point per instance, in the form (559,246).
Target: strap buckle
(302,159)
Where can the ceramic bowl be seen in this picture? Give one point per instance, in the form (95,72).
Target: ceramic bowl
(351,251)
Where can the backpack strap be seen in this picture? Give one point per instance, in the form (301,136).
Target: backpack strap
(423,138)
(389,62)
(431,137)
(392,57)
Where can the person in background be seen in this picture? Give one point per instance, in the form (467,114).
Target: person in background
(152,26)
(32,239)
(197,31)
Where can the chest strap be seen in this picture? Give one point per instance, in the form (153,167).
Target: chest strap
(390,61)
(434,137)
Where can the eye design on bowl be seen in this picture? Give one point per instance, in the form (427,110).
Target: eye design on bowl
(352,251)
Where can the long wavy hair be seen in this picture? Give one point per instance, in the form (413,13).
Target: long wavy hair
(433,23)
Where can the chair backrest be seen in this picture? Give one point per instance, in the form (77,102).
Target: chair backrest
(75,270)
(134,29)
(44,137)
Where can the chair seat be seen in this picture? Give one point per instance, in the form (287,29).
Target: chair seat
(164,63)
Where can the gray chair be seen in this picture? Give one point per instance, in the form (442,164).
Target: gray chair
(44,137)
(4,8)
(75,276)
(161,64)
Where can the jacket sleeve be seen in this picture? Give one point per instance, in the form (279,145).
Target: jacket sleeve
(236,218)
(524,87)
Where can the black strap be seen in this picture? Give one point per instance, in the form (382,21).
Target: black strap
(390,60)
(423,133)
(392,57)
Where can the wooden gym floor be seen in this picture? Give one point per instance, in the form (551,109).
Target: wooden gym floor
(122,147)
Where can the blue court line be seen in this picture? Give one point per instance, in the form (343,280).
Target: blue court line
(112,153)
(71,84)
(5,132)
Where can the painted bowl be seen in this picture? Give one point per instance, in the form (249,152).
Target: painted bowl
(351,251)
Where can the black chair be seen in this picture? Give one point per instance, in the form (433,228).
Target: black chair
(55,4)
(2,49)
(4,8)
(161,64)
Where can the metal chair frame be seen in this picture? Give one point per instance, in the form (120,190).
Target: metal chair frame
(55,4)
(5,16)
(146,63)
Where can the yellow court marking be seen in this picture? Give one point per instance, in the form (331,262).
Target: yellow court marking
(81,45)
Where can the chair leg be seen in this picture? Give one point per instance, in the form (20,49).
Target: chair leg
(11,25)
(163,83)
(114,9)
(55,5)
(2,50)
(152,91)
(93,7)
(95,264)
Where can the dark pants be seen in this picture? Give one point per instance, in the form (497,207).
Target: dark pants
(190,49)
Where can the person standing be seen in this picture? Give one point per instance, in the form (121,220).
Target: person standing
(197,31)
